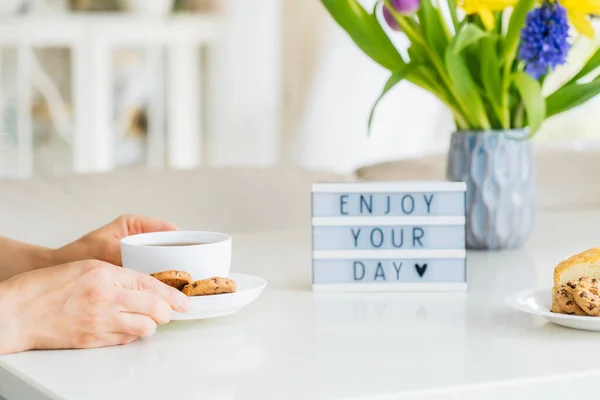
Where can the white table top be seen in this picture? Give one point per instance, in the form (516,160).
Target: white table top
(295,344)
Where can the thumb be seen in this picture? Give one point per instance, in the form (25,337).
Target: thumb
(139,224)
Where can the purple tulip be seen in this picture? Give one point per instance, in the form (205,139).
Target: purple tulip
(405,7)
(389,19)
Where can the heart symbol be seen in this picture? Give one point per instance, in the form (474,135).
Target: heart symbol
(421,269)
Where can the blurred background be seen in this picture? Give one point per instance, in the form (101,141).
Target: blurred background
(99,85)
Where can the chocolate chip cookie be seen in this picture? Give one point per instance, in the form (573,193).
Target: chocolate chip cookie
(564,299)
(556,308)
(176,279)
(207,287)
(587,295)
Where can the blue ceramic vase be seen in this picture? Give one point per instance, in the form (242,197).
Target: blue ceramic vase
(498,168)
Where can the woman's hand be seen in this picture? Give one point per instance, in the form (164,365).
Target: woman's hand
(102,244)
(84,304)
(105,243)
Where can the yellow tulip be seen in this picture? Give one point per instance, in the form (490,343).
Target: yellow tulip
(485,9)
(578,11)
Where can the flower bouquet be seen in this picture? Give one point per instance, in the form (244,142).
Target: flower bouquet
(487,61)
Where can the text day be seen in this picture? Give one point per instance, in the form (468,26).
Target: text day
(373,204)
(395,236)
(360,271)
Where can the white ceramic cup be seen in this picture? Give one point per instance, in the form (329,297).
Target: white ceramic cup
(148,253)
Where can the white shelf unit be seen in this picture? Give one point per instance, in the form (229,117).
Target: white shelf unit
(92,37)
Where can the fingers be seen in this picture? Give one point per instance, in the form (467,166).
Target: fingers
(144,303)
(136,224)
(145,283)
(136,325)
(126,339)
(107,340)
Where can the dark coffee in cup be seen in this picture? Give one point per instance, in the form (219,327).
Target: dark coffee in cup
(177,244)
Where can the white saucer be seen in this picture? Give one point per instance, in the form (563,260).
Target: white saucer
(248,289)
(539,302)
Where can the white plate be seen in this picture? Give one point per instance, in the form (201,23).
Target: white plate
(248,289)
(539,302)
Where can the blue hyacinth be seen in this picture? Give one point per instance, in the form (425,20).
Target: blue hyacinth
(545,39)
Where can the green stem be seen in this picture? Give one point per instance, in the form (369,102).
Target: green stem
(505,96)
(437,63)
(461,124)
(411,30)
(437,91)
(432,79)
(445,28)
(519,116)
(452,8)
(511,43)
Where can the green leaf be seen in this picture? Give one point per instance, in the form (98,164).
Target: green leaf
(364,29)
(592,64)
(462,78)
(426,75)
(570,96)
(533,100)
(517,21)
(468,34)
(466,90)
(453,14)
(393,80)
(472,55)
(417,54)
(490,74)
(428,79)
(434,28)
(467,41)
